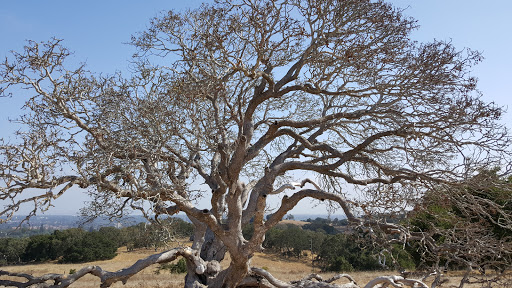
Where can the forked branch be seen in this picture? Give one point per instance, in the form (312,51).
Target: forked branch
(107,278)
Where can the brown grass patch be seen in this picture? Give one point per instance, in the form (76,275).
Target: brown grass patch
(286,269)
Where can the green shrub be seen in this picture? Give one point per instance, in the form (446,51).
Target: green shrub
(344,253)
(404,259)
(340,264)
(174,268)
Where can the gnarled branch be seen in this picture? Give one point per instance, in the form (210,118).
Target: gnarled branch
(108,278)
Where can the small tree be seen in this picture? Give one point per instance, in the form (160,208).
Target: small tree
(11,250)
(346,253)
(229,102)
(37,249)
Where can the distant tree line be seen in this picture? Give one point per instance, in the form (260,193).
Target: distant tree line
(76,245)
(71,246)
(24,232)
(331,250)
(464,226)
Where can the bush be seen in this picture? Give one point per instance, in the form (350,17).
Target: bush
(344,253)
(404,259)
(70,246)
(174,268)
(248,231)
(38,249)
(12,249)
(76,245)
(339,264)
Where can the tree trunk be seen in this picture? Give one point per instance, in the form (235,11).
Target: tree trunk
(212,252)
(212,248)
(232,276)
(211,277)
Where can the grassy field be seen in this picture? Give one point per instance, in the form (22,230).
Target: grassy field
(282,268)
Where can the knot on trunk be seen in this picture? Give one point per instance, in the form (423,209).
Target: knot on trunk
(213,268)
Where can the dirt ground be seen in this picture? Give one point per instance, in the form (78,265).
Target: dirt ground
(281,268)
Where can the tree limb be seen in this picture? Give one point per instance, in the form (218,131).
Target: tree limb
(107,278)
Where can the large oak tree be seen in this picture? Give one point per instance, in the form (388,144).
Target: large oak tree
(240,100)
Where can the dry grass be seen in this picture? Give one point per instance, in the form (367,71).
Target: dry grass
(282,268)
(145,278)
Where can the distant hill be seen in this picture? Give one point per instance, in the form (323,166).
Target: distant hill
(49,223)
(304,217)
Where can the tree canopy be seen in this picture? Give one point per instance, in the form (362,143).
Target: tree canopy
(238,100)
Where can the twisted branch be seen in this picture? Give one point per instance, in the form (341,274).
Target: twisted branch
(107,278)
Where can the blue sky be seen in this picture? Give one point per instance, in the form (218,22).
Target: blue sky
(96,30)
(480,25)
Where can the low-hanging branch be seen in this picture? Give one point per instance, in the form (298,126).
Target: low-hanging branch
(107,278)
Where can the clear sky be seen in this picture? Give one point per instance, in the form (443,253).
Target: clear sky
(96,30)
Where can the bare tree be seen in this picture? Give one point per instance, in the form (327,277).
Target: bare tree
(232,102)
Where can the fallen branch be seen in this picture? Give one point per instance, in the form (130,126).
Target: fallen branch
(394,281)
(271,279)
(306,282)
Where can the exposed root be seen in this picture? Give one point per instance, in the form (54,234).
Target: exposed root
(395,281)
(320,282)
(313,280)
(316,281)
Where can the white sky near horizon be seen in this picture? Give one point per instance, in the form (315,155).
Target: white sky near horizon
(96,30)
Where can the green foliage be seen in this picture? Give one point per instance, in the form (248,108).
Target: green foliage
(77,245)
(345,253)
(321,227)
(339,264)
(248,231)
(174,268)
(481,206)
(182,228)
(289,240)
(11,250)
(38,249)
(405,260)
(90,247)
(70,246)
(72,271)
(113,234)
(340,252)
